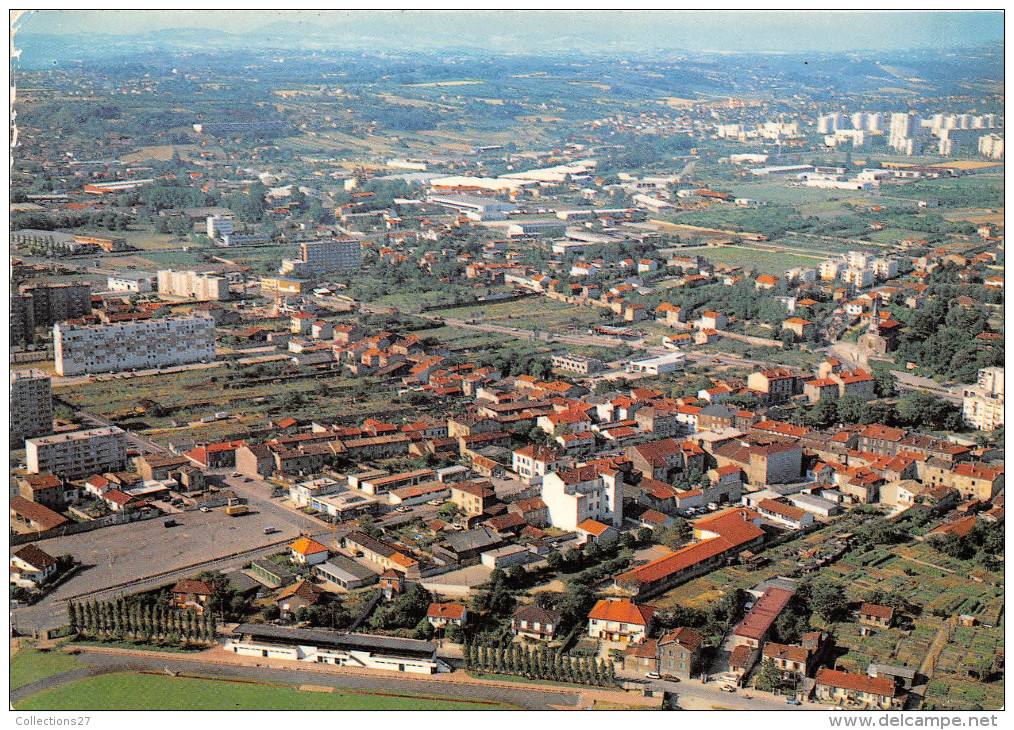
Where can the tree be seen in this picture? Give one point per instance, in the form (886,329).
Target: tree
(676,535)
(423,629)
(883,381)
(828,599)
(769,678)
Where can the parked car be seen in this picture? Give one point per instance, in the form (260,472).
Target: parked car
(727,688)
(205,509)
(270,530)
(653,675)
(169,523)
(792,701)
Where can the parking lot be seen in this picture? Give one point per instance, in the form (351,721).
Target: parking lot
(113,555)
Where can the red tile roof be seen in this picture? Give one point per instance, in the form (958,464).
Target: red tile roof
(873,609)
(856,682)
(622,612)
(762,615)
(452,611)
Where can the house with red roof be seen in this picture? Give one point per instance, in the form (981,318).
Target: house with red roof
(193,595)
(856,690)
(595,531)
(31,566)
(679,653)
(441,615)
(307,552)
(872,614)
(620,620)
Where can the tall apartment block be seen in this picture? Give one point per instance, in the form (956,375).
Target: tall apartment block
(330,255)
(79,453)
(193,285)
(31,406)
(43,305)
(152,343)
(982,407)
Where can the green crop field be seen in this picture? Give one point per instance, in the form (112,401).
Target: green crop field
(29,665)
(766,262)
(528,313)
(154,692)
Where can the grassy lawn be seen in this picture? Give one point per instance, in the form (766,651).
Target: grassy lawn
(29,665)
(154,692)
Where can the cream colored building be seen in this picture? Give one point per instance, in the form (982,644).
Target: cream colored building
(151,343)
(78,453)
(193,285)
(983,403)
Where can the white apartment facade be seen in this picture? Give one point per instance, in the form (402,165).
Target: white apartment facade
(220,226)
(982,407)
(193,285)
(584,493)
(79,453)
(31,406)
(152,343)
(532,463)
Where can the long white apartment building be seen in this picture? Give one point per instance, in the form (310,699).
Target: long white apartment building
(193,285)
(78,453)
(31,406)
(584,493)
(152,343)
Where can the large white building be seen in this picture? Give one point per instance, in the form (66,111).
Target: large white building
(220,226)
(131,282)
(151,343)
(321,646)
(193,285)
(991,145)
(79,453)
(31,406)
(584,493)
(983,403)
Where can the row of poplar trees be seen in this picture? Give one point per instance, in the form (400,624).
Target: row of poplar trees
(542,663)
(140,621)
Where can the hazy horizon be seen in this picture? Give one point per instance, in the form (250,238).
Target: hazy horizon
(754,31)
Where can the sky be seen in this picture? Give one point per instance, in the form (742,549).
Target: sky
(695,31)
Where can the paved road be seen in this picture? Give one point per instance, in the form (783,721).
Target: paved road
(691,694)
(257,494)
(527,697)
(911,382)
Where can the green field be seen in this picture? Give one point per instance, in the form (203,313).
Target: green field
(190,395)
(766,262)
(29,665)
(528,313)
(155,692)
